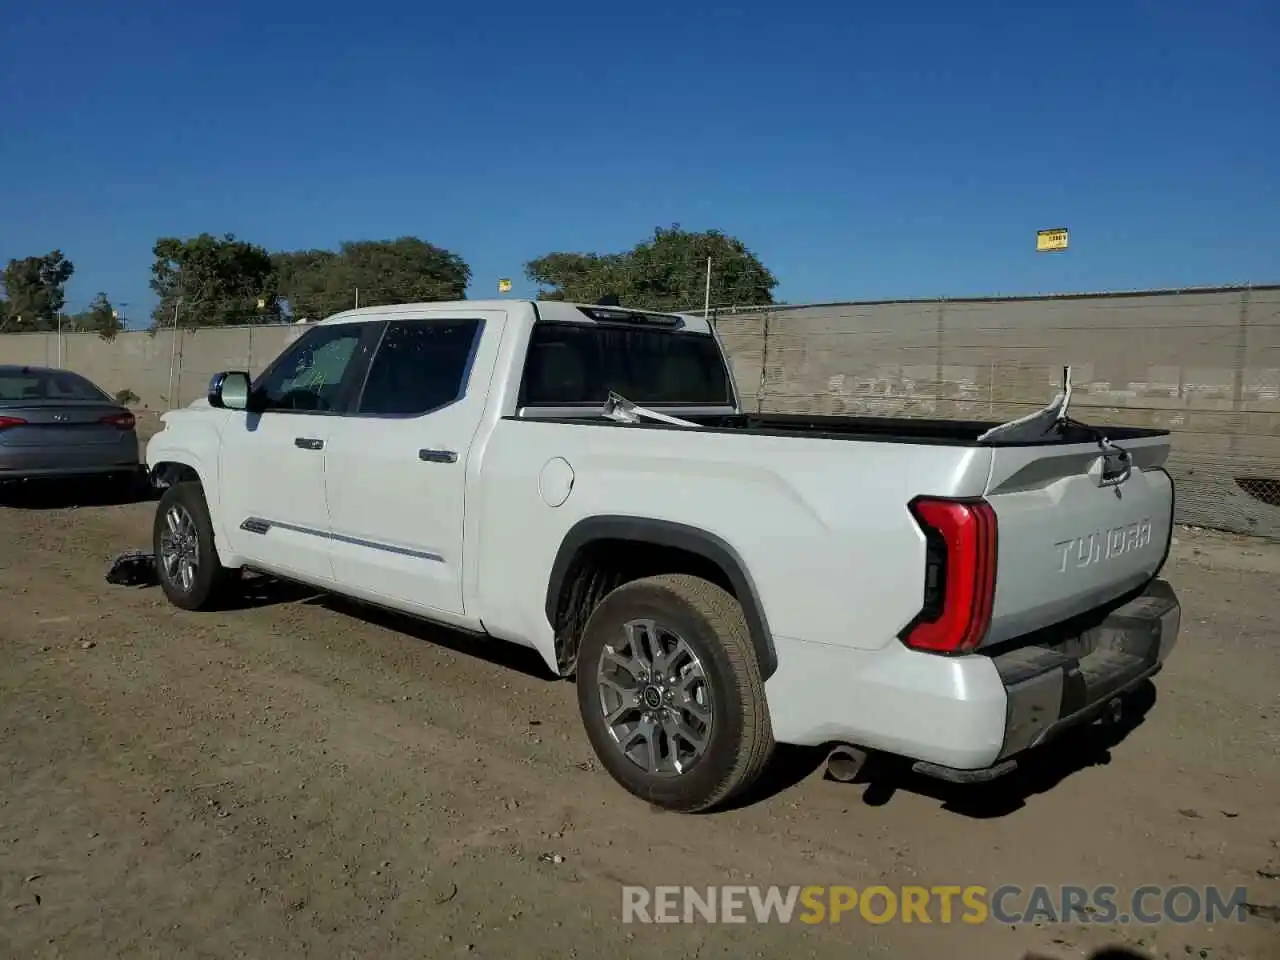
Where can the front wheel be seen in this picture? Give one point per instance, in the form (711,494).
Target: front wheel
(187,564)
(671,695)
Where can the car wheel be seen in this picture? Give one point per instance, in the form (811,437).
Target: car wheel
(186,559)
(671,695)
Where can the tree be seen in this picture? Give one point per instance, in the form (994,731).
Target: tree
(213,281)
(318,283)
(668,271)
(101,318)
(581,277)
(35,289)
(303,278)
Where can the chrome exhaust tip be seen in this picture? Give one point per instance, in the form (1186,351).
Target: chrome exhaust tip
(845,762)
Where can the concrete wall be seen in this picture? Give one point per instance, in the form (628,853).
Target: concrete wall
(151,365)
(1204,364)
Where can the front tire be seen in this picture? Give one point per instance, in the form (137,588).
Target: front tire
(187,564)
(670,693)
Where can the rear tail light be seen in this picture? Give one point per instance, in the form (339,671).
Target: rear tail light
(125,421)
(7,422)
(960,575)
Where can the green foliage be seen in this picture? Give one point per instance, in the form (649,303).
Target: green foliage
(127,397)
(666,272)
(219,281)
(35,289)
(101,318)
(319,283)
(213,281)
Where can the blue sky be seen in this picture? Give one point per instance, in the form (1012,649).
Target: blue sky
(862,150)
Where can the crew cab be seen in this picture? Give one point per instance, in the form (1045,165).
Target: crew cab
(583,480)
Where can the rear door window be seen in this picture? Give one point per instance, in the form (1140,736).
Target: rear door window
(420,366)
(578,363)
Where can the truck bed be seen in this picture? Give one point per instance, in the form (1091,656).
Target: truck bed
(1079,526)
(908,429)
(881,429)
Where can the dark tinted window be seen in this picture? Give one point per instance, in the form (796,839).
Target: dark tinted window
(420,365)
(580,363)
(36,384)
(309,374)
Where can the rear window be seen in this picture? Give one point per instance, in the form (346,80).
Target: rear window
(32,384)
(570,363)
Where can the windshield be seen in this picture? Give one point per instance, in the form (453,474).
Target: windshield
(577,363)
(31,383)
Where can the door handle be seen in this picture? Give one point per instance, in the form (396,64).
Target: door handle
(438,456)
(308,443)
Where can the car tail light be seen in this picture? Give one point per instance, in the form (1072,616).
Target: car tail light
(125,421)
(7,422)
(960,574)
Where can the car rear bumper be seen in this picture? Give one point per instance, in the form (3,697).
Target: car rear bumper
(970,718)
(33,463)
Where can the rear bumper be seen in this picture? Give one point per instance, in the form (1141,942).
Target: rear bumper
(1050,690)
(970,718)
(38,463)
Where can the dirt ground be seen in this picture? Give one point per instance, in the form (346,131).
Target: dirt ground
(303,778)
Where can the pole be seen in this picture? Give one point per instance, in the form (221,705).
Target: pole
(173,349)
(357,298)
(706,302)
(59,363)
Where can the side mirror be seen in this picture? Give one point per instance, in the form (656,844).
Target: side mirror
(229,390)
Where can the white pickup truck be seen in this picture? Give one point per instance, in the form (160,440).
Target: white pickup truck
(718,581)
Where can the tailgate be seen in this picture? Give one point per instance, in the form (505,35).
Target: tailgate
(1074,531)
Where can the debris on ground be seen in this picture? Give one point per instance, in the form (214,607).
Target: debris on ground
(443,891)
(137,568)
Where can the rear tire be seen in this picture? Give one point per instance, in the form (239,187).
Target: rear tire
(187,564)
(670,693)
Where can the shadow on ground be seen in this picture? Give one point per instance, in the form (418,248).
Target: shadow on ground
(264,591)
(500,653)
(1106,953)
(260,590)
(62,494)
(881,778)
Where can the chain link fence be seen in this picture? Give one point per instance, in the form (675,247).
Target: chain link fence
(1203,364)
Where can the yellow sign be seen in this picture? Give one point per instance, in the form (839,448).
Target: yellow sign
(504,286)
(1050,240)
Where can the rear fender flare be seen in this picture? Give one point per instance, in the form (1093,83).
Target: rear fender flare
(679,536)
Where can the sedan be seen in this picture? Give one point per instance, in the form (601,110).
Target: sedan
(56,424)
